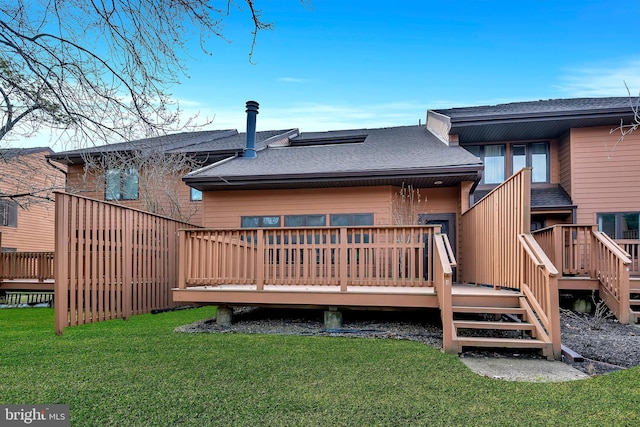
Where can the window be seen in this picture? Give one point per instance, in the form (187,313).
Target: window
(5,250)
(305,220)
(196,195)
(121,184)
(625,225)
(259,221)
(535,156)
(343,220)
(493,157)
(8,213)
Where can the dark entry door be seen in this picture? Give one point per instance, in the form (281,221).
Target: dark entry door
(447,223)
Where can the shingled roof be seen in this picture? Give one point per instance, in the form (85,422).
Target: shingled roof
(214,144)
(386,156)
(543,119)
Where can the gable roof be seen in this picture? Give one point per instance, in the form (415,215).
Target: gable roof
(8,153)
(212,145)
(386,156)
(544,119)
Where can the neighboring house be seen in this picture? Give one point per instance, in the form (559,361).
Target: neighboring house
(27,220)
(146,174)
(581,173)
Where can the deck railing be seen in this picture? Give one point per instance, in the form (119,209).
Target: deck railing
(540,286)
(443,263)
(632,248)
(26,265)
(111,261)
(582,250)
(490,232)
(327,256)
(568,246)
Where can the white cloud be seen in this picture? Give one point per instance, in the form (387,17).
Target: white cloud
(291,80)
(606,80)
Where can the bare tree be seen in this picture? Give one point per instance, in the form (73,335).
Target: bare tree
(154,180)
(626,129)
(101,70)
(406,205)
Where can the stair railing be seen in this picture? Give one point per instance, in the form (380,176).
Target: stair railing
(612,269)
(443,263)
(540,285)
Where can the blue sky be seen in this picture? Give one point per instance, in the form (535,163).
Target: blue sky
(337,64)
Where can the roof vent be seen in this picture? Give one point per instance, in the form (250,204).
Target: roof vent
(250,146)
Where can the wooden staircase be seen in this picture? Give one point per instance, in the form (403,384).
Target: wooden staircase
(634,299)
(502,319)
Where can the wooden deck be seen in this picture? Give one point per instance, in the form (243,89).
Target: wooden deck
(28,285)
(322,296)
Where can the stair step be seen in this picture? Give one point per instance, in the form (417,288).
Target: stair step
(488,310)
(500,342)
(511,326)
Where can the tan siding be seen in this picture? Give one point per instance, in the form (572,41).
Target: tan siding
(35,224)
(224,208)
(564,163)
(604,180)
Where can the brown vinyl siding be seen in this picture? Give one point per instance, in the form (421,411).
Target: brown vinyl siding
(564,163)
(35,224)
(604,179)
(224,208)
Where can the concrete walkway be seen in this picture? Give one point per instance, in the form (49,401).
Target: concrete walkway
(528,370)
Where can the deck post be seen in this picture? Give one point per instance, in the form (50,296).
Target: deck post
(182,259)
(260,261)
(332,318)
(343,259)
(61,289)
(558,248)
(224,315)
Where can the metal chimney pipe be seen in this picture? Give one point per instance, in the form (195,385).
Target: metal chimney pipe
(252,112)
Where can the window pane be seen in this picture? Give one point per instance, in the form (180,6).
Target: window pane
(112,185)
(518,158)
(196,195)
(493,164)
(630,226)
(339,220)
(316,220)
(270,221)
(130,184)
(293,220)
(607,224)
(539,162)
(363,219)
(250,222)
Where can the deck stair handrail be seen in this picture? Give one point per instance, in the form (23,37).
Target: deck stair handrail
(442,280)
(540,286)
(582,250)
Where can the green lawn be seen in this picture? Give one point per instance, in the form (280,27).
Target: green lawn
(140,373)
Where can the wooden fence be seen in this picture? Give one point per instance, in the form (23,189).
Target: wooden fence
(338,256)
(111,261)
(490,232)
